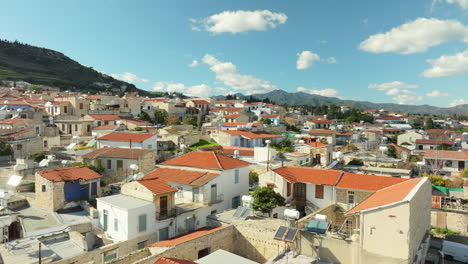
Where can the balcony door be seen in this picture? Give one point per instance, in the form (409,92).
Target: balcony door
(163,206)
(299,193)
(214,192)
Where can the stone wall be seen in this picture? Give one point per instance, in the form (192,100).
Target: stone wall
(455,221)
(53,197)
(342,197)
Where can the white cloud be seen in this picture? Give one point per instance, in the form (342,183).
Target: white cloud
(323,92)
(227,73)
(399,90)
(458,102)
(194,63)
(416,36)
(331,60)
(448,65)
(462,3)
(437,93)
(306,59)
(391,85)
(201,90)
(128,77)
(240,21)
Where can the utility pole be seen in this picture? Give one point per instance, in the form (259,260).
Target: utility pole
(40,257)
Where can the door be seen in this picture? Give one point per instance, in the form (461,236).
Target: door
(214,192)
(195,193)
(163,206)
(190,224)
(235,202)
(300,193)
(317,158)
(164,233)
(461,165)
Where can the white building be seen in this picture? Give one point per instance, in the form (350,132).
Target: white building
(128,140)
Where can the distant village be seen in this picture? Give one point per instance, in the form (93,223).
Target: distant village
(104,178)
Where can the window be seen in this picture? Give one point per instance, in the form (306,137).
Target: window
(119,164)
(105,215)
(116,224)
(65,109)
(204,252)
(288,189)
(19,147)
(45,143)
(81,105)
(142,223)
(109,164)
(319,191)
(213,212)
(180,192)
(350,198)
(235,201)
(76,127)
(109,255)
(150,146)
(141,245)
(43,188)
(236,176)
(164,233)
(63,127)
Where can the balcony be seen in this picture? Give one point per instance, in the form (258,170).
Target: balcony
(163,215)
(213,200)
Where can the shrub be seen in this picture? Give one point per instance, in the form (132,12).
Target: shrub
(356,162)
(138,129)
(405,144)
(37,157)
(253,177)
(464,173)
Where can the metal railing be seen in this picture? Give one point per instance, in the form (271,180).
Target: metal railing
(162,215)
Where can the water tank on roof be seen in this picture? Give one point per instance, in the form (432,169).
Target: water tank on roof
(339,155)
(321,217)
(301,142)
(291,213)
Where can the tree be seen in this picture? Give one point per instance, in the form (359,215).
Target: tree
(160,116)
(464,173)
(266,121)
(356,162)
(428,123)
(391,152)
(284,145)
(145,117)
(190,121)
(253,177)
(266,199)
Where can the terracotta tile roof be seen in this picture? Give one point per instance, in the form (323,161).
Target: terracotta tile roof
(322,121)
(400,148)
(234,124)
(348,133)
(159,99)
(250,135)
(309,175)
(316,144)
(186,237)
(446,154)
(231,109)
(163,260)
(13,134)
(366,182)
(232,116)
(392,130)
(94,96)
(200,101)
(206,159)
(242,151)
(126,136)
(433,142)
(13,121)
(105,127)
(124,153)
(392,194)
(157,186)
(439,132)
(137,122)
(188,177)
(69,174)
(105,117)
(14,103)
(321,132)
(391,117)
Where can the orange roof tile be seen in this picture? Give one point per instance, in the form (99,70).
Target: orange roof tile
(13,121)
(126,136)
(105,117)
(309,175)
(206,159)
(322,121)
(200,101)
(125,153)
(250,135)
(366,182)
(105,127)
(232,109)
(186,237)
(137,122)
(392,194)
(321,132)
(157,186)
(232,116)
(69,174)
(433,142)
(269,116)
(234,124)
(188,177)
(242,151)
(446,154)
(316,144)
(163,260)
(13,134)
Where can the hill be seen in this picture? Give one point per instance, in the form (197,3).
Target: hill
(300,98)
(43,66)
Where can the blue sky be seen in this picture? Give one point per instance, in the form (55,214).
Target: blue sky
(412,52)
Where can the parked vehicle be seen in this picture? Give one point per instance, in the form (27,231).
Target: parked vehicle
(455,251)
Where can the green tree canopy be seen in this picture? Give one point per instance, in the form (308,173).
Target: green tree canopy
(266,199)
(160,116)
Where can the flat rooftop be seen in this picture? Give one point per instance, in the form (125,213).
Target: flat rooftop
(124,202)
(226,257)
(290,258)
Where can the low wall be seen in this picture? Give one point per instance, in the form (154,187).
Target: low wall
(455,221)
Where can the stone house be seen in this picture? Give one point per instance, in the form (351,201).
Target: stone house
(116,161)
(236,118)
(101,119)
(409,137)
(319,153)
(202,105)
(323,134)
(55,188)
(445,162)
(128,140)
